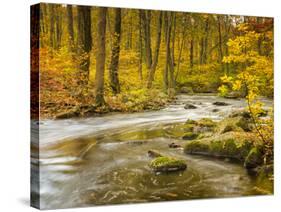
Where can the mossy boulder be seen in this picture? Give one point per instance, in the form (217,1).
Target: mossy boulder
(235,145)
(254,158)
(190,136)
(206,122)
(197,127)
(237,124)
(167,164)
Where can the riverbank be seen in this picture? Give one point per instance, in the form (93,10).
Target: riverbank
(129,102)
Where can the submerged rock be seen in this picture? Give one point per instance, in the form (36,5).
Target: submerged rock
(174,145)
(167,164)
(220,103)
(190,106)
(153,154)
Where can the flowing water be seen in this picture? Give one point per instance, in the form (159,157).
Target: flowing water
(103,160)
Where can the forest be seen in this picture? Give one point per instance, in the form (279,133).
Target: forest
(175,85)
(113,59)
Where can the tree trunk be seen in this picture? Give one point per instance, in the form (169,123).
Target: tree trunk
(156,54)
(191,52)
(100,56)
(84,37)
(171,54)
(70,27)
(204,43)
(58,27)
(146,16)
(180,53)
(167,18)
(259,21)
(52,26)
(113,69)
(140,47)
(220,50)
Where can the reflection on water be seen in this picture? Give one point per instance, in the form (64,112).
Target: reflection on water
(104,160)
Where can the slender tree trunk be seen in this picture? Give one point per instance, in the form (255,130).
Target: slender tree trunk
(204,43)
(146,16)
(140,47)
(167,18)
(180,53)
(58,27)
(52,26)
(70,27)
(227,26)
(100,56)
(84,37)
(113,69)
(220,50)
(156,54)
(259,21)
(191,52)
(173,37)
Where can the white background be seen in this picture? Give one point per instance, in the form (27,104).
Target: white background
(14,105)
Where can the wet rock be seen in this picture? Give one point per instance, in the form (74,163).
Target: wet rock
(167,164)
(233,95)
(215,110)
(190,136)
(67,114)
(187,90)
(137,143)
(174,145)
(242,113)
(189,106)
(220,104)
(153,154)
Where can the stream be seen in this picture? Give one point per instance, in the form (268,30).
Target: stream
(103,160)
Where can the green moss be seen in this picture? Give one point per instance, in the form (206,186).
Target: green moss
(167,164)
(188,127)
(236,124)
(206,122)
(196,147)
(229,145)
(190,136)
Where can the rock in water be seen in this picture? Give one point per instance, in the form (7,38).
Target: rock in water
(167,164)
(190,106)
(153,154)
(220,103)
(173,145)
(187,90)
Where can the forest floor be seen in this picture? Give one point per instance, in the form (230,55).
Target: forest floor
(133,102)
